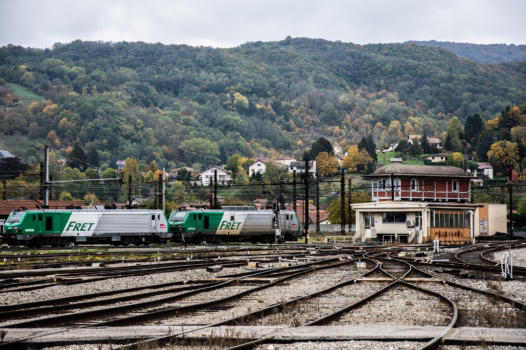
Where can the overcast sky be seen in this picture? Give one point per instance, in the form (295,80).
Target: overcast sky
(228,23)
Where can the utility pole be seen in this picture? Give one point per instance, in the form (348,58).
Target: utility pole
(215,189)
(294,191)
(42,180)
(160,190)
(317,205)
(46,177)
(281,193)
(129,191)
(342,198)
(306,184)
(211,194)
(349,208)
(164,188)
(510,189)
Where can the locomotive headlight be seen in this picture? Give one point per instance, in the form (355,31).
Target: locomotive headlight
(16,227)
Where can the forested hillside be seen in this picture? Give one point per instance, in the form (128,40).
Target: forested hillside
(493,53)
(196,106)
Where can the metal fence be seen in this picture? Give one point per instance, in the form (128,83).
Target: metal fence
(331,228)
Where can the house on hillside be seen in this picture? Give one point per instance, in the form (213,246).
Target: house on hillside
(258,166)
(223,175)
(484,169)
(433,141)
(435,158)
(339,159)
(120,165)
(422,203)
(285,160)
(299,166)
(395,160)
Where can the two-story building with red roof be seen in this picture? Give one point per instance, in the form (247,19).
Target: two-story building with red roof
(419,203)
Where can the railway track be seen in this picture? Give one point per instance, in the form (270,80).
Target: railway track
(386,279)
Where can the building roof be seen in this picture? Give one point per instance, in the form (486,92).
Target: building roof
(6,207)
(420,170)
(431,140)
(485,166)
(341,156)
(400,160)
(300,164)
(285,158)
(6,154)
(437,155)
(258,160)
(218,168)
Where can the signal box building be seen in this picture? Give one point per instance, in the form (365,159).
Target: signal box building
(418,204)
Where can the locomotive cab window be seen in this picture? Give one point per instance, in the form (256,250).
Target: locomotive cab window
(153,217)
(49,223)
(206,224)
(34,217)
(232,218)
(39,217)
(200,217)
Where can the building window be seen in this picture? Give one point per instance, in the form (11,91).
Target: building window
(381,184)
(393,217)
(414,185)
(368,219)
(454,185)
(450,219)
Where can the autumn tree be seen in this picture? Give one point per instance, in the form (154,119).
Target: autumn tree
(503,154)
(352,160)
(131,168)
(327,164)
(90,198)
(52,137)
(455,159)
(65,196)
(335,206)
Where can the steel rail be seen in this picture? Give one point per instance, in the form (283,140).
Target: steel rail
(68,318)
(323,319)
(16,343)
(238,319)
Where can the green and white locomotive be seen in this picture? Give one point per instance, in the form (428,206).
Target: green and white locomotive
(234,224)
(59,227)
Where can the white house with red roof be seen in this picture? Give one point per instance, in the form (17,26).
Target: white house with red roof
(259,166)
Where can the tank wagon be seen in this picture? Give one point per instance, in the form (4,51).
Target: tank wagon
(233,224)
(59,227)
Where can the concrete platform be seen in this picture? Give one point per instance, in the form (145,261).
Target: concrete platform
(120,335)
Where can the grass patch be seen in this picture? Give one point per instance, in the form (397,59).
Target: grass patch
(24,94)
(384,157)
(413,162)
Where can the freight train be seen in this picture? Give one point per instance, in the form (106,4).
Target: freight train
(60,227)
(234,224)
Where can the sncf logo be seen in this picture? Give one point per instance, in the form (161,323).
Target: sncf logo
(163,226)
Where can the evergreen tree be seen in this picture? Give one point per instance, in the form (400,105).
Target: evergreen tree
(93,158)
(447,143)
(486,140)
(416,149)
(77,158)
(426,147)
(321,145)
(403,146)
(472,127)
(372,147)
(222,154)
